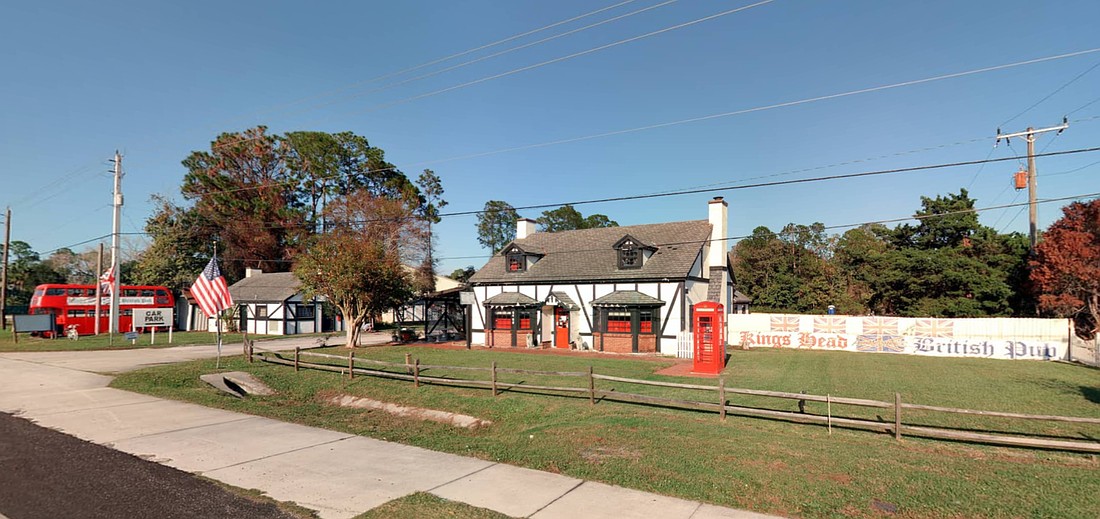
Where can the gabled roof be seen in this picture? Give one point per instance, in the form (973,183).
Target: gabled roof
(589,254)
(511,299)
(274,287)
(627,298)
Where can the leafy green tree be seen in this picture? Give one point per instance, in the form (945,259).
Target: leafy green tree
(242,188)
(944,221)
(782,273)
(463,275)
(325,166)
(429,202)
(566,218)
(496,225)
(26,270)
(180,247)
(1065,272)
(359,265)
(858,258)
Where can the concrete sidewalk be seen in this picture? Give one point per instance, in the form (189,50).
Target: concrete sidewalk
(337,474)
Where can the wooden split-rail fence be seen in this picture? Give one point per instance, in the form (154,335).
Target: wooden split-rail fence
(412,370)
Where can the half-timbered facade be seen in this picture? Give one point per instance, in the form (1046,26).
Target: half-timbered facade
(616,289)
(273,304)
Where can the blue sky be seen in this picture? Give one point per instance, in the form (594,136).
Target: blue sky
(157,80)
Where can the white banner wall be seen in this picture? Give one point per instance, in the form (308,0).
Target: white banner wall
(996,338)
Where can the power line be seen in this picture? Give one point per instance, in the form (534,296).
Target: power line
(783,182)
(563,58)
(740,187)
(770,107)
(1048,96)
(714,116)
(493,55)
(441,60)
(774,233)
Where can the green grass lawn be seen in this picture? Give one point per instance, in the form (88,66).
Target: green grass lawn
(103,341)
(763,465)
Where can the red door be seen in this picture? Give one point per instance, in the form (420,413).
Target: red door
(561,327)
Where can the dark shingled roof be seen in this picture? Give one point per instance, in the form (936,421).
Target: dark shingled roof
(627,298)
(265,288)
(589,254)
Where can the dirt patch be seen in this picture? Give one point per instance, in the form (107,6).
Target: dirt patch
(444,417)
(682,368)
(598,455)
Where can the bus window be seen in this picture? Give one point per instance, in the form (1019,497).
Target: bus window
(161,293)
(55,291)
(76,313)
(146,292)
(76,292)
(130,292)
(39,292)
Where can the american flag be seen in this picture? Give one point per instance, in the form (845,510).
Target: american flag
(210,290)
(880,325)
(784,323)
(829,324)
(935,328)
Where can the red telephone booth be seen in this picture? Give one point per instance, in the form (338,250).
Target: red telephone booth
(710,338)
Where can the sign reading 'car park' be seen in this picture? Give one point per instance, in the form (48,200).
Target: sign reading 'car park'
(150,317)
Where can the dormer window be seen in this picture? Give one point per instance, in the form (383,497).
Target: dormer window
(629,258)
(632,253)
(515,259)
(516,263)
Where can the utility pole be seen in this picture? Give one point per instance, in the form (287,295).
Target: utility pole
(98,287)
(4,273)
(116,223)
(1032,185)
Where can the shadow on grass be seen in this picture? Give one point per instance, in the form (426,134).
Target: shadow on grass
(1091,393)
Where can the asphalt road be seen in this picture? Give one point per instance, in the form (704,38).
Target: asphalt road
(45,474)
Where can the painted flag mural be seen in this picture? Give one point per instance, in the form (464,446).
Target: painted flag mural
(784,323)
(880,325)
(934,328)
(210,290)
(991,338)
(830,324)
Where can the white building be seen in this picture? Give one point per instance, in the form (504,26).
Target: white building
(616,289)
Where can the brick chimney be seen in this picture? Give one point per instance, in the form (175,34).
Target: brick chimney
(718,215)
(524,228)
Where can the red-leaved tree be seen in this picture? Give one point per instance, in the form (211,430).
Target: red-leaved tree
(1065,272)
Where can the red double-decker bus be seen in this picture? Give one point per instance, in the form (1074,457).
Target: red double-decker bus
(74,305)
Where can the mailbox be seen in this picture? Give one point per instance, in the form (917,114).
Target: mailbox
(709,329)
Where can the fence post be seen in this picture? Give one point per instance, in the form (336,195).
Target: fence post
(591,387)
(897,416)
(408,363)
(416,373)
(722,397)
(351,364)
(494,370)
(250,352)
(296,351)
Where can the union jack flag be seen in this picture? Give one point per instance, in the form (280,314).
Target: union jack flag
(880,343)
(934,328)
(880,325)
(830,324)
(784,323)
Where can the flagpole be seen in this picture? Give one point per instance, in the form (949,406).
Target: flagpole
(218,318)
